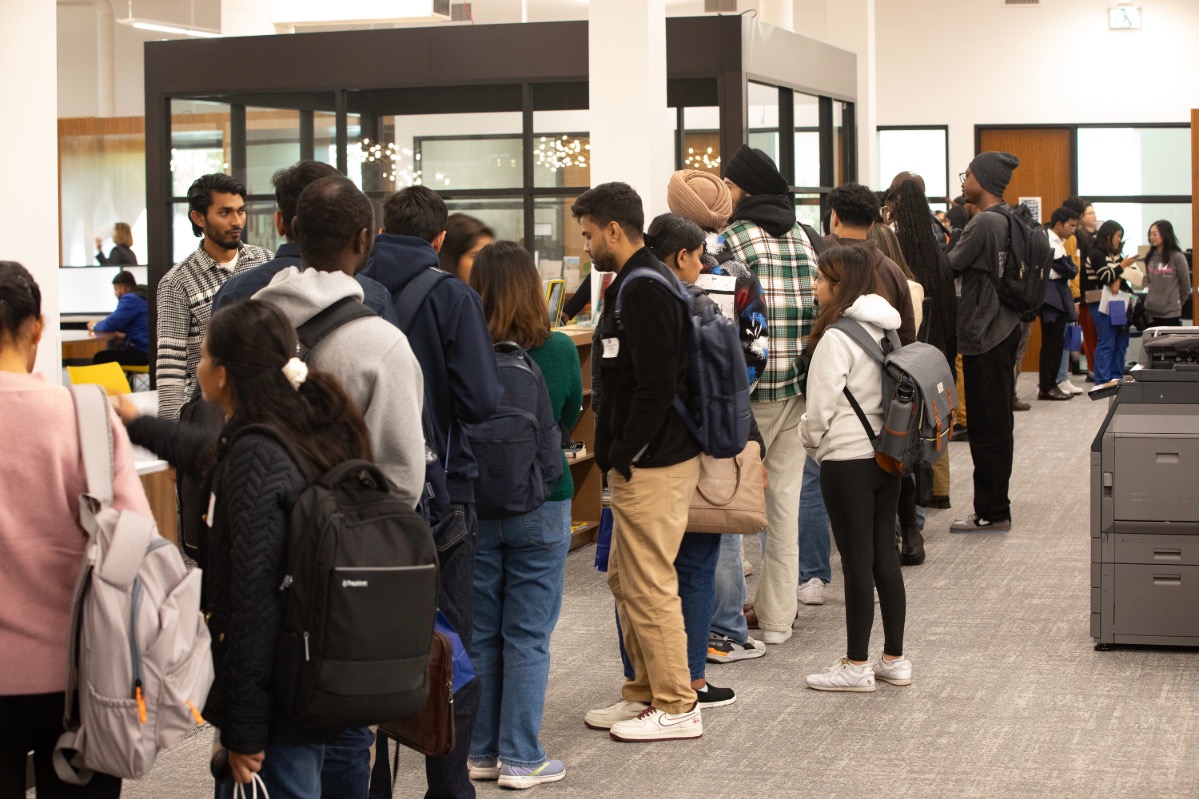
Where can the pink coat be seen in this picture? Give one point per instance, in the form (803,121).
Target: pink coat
(41,542)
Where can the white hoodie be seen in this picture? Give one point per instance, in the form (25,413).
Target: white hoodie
(375,364)
(830,430)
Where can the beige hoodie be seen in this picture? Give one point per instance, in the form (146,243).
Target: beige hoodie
(830,430)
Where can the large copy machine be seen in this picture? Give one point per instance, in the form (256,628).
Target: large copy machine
(1145,499)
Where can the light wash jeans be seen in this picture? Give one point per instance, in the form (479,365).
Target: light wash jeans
(727,618)
(289,771)
(519,568)
(814,546)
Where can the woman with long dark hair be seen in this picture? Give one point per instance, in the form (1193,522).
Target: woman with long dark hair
(1105,264)
(248,368)
(520,562)
(1167,275)
(464,237)
(860,496)
(41,543)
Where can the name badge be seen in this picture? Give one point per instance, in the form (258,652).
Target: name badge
(611,347)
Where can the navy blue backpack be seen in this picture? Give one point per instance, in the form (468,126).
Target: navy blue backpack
(718,412)
(519,449)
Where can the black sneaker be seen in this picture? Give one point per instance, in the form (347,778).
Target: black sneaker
(715,697)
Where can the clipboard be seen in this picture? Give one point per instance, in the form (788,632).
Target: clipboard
(555,295)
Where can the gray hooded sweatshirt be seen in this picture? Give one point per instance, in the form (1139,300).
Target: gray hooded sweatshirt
(374,363)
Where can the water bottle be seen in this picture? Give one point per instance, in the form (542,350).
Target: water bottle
(893,440)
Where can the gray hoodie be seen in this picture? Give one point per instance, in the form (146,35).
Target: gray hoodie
(374,363)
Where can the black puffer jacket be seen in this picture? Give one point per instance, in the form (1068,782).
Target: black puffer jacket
(255,486)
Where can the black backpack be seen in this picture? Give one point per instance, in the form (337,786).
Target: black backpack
(519,449)
(359,600)
(1022,278)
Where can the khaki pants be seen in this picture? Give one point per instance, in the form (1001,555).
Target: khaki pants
(960,388)
(650,515)
(775,601)
(941,476)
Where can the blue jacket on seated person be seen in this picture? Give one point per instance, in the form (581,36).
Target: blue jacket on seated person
(245,285)
(132,317)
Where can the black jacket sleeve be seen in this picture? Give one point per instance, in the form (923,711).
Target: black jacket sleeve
(259,487)
(184,446)
(470,359)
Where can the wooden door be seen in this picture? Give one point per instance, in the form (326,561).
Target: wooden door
(1044,172)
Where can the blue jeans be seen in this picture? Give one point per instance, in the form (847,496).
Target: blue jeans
(346,773)
(1111,348)
(1063,373)
(520,565)
(727,618)
(696,567)
(291,771)
(814,544)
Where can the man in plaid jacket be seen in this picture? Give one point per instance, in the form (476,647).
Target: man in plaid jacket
(764,234)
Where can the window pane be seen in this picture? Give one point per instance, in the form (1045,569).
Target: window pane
(504,215)
(764,119)
(199,142)
(324,143)
(807,139)
(807,209)
(558,243)
(185,241)
(272,142)
(919,151)
(702,139)
(103,182)
(1132,161)
(839,135)
(260,225)
(1136,218)
(450,151)
(561,149)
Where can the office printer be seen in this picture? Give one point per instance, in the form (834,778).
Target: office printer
(1145,499)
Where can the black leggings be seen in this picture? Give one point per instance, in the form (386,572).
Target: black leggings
(34,722)
(861,499)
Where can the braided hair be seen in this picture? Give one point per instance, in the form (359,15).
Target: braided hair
(909,209)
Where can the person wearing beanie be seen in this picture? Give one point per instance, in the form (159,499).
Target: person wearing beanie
(764,234)
(988,337)
(704,199)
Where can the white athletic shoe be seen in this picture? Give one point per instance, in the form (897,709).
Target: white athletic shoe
(771,637)
(603,718)
(1069,388)
(652,724)
(844,676)
(896,672)
(812,592)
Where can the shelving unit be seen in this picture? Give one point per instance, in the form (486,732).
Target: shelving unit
(589,481)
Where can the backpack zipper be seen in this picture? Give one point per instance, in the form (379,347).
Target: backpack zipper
(135,604)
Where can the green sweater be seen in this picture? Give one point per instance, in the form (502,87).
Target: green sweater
(558,359)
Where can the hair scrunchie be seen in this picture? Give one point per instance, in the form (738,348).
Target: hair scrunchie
(296,372)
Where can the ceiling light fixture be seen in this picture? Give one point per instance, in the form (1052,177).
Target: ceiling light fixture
(158,26)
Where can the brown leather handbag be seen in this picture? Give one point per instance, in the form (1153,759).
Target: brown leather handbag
(431,731)
(730,497)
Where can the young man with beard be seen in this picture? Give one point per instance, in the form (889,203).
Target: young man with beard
(217,210)
(764,234)
(652,462)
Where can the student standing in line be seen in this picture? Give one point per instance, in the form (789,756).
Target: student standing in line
(1167,274)
(1106,263)
(248,367)
(1058,310)
(41,543)
(860,496)
(464,237)
(520,562)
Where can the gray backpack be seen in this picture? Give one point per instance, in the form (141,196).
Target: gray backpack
(139,658)
(919,403)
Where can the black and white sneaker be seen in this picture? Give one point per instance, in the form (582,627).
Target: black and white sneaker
(977,524)
(722,649)
(711,696)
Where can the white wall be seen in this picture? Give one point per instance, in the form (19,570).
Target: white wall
(944,63)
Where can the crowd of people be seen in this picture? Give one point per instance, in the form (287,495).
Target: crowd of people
(403,385)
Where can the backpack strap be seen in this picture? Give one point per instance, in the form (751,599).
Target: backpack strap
(413,295)
(314,331)
(853,403)
(95,447)
(875,350)
(814,238)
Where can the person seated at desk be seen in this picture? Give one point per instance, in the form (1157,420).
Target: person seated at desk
(131,320)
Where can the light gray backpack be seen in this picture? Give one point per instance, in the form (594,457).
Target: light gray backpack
(139,658)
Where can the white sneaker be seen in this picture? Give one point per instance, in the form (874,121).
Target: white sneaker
(812,592)
(844,676)
(896,672)
(771,637)
(652,724)
(1069,388)
(603,718)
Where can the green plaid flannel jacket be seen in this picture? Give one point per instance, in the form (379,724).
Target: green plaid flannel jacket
(785,266)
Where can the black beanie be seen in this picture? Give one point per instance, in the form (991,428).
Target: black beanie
(754,172)
(993,170)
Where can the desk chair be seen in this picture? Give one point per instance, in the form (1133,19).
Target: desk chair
(109,375)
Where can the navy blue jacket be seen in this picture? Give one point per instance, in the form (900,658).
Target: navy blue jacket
(131,318)
(449,336)
(245,285)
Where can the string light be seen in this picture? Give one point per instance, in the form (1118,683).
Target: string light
(702,160)
(560,153)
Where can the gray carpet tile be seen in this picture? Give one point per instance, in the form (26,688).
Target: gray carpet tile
(1010,699)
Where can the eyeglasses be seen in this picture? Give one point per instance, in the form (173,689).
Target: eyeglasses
(962,177)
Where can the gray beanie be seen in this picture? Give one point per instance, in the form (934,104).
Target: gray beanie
(993,170)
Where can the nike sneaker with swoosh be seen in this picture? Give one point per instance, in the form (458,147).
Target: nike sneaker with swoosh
(652,724)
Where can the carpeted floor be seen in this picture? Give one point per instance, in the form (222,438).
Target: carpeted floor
(1009,700)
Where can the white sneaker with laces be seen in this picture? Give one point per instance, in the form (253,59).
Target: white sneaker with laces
(896,672)
(652,724)
(812,592)
(844,676)
(603,718)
